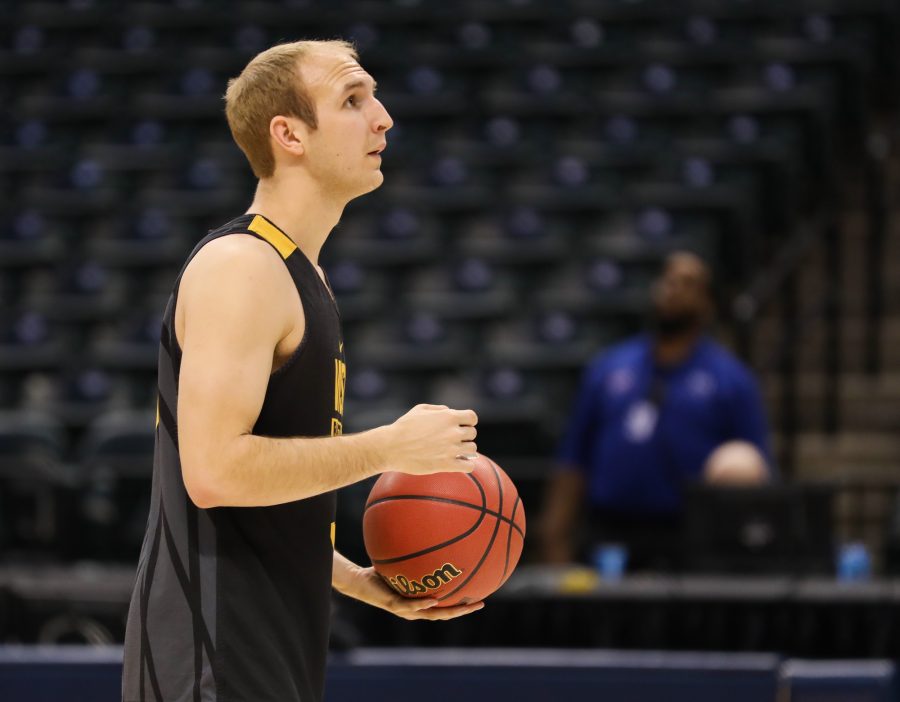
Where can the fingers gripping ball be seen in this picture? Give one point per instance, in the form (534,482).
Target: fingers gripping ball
(454,537)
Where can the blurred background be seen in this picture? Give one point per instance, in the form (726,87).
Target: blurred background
(546,159)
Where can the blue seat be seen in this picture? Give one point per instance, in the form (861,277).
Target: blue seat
(376,397)
(30,341)
(117,458)
(521,236)
(548,341)
(414,342)
(399,236)
(511,407)
(36,487)
(468,289)
(361,292)
(131,343)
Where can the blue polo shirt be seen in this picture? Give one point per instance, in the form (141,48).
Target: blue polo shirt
(640,431)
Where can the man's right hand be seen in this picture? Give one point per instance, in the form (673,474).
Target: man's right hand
(431,439)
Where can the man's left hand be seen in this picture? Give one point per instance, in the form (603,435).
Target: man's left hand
(368,587)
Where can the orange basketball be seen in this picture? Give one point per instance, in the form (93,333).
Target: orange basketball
(455,537)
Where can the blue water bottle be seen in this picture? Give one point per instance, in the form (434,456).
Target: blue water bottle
(854,563)
(610,560)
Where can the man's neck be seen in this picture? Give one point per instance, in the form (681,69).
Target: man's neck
(297,206)
(671,351)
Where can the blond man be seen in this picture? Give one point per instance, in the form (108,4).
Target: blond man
(232,595)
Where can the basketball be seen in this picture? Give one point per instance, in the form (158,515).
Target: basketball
(454,537)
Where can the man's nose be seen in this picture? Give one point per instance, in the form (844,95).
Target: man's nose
(384,121)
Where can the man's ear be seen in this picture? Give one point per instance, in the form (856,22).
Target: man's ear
(288,134)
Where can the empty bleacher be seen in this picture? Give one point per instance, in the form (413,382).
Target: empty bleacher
(545,158)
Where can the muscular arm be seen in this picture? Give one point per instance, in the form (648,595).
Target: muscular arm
(234,301)
(238,302)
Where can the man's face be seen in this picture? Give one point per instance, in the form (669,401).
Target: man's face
(681,295)
(343,153)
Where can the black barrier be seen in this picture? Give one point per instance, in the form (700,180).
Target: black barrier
(539,607)
(569,608)
(92,674)
(550,675)
(54,673)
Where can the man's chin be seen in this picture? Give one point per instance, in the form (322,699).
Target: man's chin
(377,180)
(373,184)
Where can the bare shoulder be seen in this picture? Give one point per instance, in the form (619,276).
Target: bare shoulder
(241,274)
(235,258)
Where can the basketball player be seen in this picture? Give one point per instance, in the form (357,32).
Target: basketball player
(233,587)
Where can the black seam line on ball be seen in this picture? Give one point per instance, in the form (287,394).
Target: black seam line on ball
(490,545)
(509,538)
(430,549)
(449,501)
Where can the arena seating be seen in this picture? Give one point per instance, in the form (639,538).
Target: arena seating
(545,157)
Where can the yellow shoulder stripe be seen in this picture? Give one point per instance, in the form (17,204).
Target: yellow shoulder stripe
(273,235)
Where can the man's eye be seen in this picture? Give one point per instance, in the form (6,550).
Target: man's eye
(351,100)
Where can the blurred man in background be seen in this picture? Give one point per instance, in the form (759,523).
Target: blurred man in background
(653,414)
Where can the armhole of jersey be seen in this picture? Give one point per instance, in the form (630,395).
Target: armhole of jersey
(260,228)
(285,247)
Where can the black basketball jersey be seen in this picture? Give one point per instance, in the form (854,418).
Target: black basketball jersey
(232,604)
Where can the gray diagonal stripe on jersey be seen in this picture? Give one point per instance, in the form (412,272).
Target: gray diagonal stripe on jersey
(166,331)
(181,574)
(167,371)
(169,350)
(202,668)
(164,337)
(171,495)
(146,648)
(208,572)
(168,393)
(175,518)
(193,592)
(153,515)
(167,421)
(202,587)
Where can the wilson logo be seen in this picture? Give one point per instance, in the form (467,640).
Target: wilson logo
(432,581)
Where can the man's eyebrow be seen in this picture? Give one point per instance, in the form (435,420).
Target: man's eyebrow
(358,84)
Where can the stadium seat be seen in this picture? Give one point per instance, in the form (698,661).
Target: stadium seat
(36,488)
(117,455)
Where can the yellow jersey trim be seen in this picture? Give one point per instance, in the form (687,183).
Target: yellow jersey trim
(273,235)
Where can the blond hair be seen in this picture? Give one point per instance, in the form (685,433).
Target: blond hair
(271,85)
